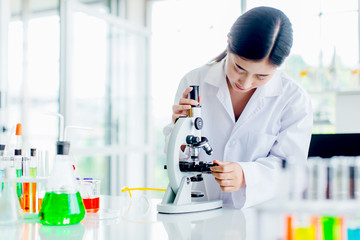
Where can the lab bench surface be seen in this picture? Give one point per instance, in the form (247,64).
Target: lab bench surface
(137,218)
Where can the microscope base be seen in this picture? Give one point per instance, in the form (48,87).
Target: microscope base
(187,208)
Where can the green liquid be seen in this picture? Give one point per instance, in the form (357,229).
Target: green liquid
(19,185)
(329,228)
(33,172)
(61,209)
(2,177)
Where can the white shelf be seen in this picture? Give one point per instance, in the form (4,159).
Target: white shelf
(346,207)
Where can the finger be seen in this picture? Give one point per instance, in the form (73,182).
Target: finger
(224,183)
(224,167)
(229,189)
(218,162)
(187,101)
(186,92)
(222,176)
(216,168)
(180,108)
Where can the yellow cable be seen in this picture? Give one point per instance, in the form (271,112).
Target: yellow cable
(142,189)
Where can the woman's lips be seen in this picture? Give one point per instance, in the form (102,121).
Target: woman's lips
(239,87)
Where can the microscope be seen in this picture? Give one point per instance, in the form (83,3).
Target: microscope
(178,195)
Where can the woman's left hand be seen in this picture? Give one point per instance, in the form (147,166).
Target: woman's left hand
(229,175)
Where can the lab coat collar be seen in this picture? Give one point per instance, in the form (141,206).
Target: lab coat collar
(216,77)
(216,74)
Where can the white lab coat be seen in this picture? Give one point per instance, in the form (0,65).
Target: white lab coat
(275,124)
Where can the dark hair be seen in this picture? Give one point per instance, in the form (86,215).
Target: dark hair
(260,32)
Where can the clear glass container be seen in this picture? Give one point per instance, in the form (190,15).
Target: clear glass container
(62,203)
(10,211)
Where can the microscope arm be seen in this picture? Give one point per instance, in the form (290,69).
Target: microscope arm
(183,127)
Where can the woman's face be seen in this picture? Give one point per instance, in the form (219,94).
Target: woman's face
(244,75)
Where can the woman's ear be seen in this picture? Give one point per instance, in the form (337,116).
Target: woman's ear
(228,40)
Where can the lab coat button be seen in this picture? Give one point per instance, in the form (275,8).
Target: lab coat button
(232,143)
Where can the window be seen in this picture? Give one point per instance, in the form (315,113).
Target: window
(93,68)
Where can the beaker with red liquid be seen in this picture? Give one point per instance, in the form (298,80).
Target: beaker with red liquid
(90,194)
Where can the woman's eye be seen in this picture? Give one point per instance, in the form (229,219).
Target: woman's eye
(261,77)
(238,70)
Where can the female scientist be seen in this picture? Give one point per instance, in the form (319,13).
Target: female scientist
(254,115)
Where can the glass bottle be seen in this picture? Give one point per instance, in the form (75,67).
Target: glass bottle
(62,204)
(10,211)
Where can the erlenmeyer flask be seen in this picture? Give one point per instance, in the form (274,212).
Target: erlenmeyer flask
(10,211)
(62,204)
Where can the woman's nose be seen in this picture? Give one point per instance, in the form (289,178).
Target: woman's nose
(246,83)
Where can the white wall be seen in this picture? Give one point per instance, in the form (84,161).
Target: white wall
(348,112)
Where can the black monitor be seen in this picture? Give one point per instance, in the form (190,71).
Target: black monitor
(329,145)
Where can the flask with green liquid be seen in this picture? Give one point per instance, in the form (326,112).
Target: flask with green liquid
(62,204)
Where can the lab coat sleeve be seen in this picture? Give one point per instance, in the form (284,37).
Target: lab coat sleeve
(292,142)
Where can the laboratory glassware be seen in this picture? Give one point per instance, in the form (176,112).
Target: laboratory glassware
(10,211)
(90,194)
(62,204)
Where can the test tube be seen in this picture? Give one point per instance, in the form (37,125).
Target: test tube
(357,177)
(352,178)
(26,185)
(337,170)
(42,171)
(305,230)
(345,163)
(298,182)
(329,180)
(313,176)
(289,228)
(2,166)
(33,174)
(43,163)
(332,227)
(17,161)
(353,227)
(322,183)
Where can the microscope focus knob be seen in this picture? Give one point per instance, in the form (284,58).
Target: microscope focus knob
(191,139)
(198,123)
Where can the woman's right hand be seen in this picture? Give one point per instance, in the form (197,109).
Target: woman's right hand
(184,105)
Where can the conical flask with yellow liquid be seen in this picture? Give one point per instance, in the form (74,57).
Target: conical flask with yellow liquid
(62,204)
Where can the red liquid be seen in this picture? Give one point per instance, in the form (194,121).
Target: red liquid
(40,200)
(92,205)
(33,197)
(26,197)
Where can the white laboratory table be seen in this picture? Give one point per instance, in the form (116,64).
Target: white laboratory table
(123,218)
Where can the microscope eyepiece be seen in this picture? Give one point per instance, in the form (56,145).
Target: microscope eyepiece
(194,94)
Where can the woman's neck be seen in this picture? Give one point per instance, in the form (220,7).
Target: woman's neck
(239,100)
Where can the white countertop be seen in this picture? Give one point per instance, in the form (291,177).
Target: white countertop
(123,218)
